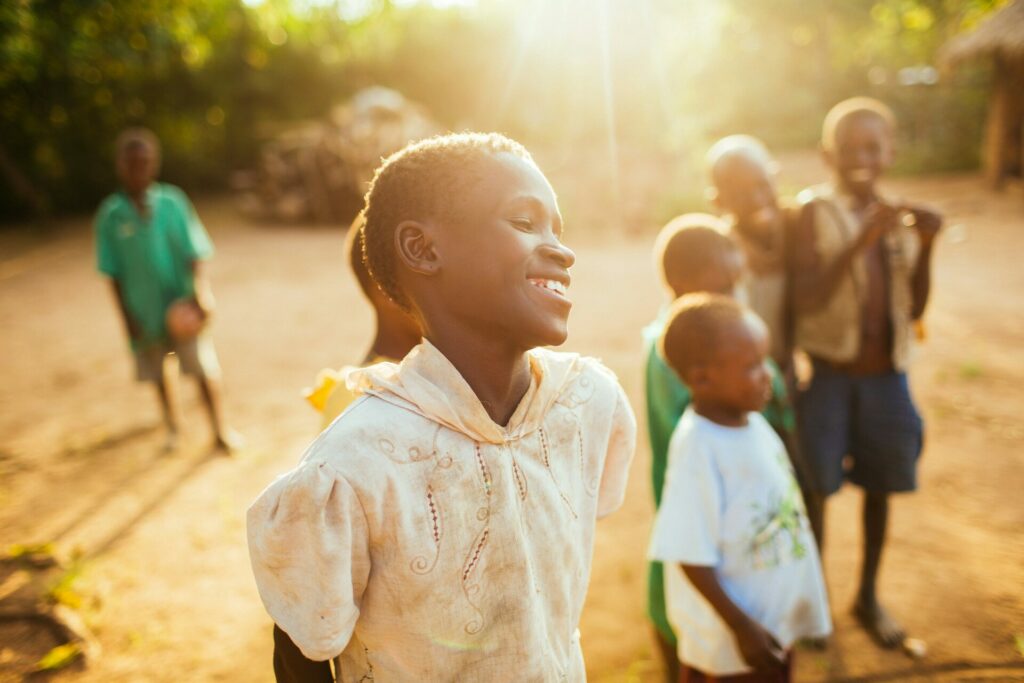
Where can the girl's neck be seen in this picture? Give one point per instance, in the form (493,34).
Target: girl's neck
(719,414)
(391,343)
(498,374)
(862,198)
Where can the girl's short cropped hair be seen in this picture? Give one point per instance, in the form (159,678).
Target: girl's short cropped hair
(354,256)
(853,108)
(697,325)
(424,180)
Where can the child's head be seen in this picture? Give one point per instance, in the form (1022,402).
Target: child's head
(857,141)
(391,319)
(743,182)
(695,255)
(137,155)
(718,347)
(464,230)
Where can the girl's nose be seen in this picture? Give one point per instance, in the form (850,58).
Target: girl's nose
(560,253)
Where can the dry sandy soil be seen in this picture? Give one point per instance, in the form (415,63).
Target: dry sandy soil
(164,575)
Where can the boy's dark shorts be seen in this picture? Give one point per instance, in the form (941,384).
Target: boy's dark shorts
(872,419)
(196,357)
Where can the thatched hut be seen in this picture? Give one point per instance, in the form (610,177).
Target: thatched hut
(1000,37)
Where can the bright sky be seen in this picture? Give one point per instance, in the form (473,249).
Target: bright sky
(353,10)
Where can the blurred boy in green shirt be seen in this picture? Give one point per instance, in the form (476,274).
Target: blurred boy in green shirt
(150,242)
(694,254)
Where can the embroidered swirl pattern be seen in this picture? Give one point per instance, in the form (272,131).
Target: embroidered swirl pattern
(471,589)
(520,479)
(422,564)
(589,485)
(545,458)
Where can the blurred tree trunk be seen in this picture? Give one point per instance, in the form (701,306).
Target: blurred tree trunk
(22,186)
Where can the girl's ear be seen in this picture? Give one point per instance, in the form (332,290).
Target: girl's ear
(697,377)
(891,149)
(712,197)
(827,155)
(417,248)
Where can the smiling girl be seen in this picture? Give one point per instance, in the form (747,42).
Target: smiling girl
(442,528)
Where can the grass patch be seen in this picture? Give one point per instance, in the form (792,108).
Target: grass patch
(971,370)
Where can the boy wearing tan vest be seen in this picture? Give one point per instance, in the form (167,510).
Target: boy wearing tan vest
(861,277)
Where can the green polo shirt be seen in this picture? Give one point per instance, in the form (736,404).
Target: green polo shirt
(667,399)
(151,256)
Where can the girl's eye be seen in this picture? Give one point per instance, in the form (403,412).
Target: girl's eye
(522,223)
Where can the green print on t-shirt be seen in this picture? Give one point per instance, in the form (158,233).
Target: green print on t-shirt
(782,519)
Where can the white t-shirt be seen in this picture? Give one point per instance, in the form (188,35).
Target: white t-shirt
(731,502)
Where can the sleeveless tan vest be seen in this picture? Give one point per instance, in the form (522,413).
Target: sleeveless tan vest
(834,332)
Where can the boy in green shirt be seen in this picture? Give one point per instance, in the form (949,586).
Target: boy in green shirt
(694,254)
(150,242)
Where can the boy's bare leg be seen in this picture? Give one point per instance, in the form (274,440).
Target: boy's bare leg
(815,504)
(868,610)
(226,438)
(166,391)
(669,657)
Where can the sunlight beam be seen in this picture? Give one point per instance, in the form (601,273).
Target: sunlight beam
(609,107)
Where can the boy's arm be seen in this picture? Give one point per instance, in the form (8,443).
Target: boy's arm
(621,447)
(667,398)
(927,224)
(309,546)
(291,666)
(759,648)
(815,283)
(202,293)
(131,325)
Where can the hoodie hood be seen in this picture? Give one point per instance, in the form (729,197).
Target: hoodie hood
(427,383)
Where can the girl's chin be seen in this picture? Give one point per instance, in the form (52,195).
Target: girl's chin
(552,336)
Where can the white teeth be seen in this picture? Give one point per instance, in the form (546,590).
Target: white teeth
(552,285)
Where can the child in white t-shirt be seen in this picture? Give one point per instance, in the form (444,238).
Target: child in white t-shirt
(743,580)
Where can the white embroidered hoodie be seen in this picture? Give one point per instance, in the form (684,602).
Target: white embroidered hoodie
(419,540)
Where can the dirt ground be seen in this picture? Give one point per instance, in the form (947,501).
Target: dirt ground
(163,575)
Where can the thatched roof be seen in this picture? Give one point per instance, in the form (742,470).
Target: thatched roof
(1001,34)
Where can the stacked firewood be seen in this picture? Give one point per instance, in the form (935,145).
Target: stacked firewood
(319,171)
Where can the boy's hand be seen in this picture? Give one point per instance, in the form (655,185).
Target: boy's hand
(926,222)
(205,305)
(878,220)
(759,648)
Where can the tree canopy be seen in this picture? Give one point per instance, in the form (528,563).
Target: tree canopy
(215,77)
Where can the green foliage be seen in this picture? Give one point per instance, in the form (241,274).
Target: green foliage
(214,78)
(810,55)
(200,73)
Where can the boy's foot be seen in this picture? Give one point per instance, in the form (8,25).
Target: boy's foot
(229,441)
(873,617)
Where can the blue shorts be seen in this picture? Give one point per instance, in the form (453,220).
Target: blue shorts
(872,419)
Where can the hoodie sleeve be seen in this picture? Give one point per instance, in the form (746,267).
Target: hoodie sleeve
(621,446)
(309,548)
